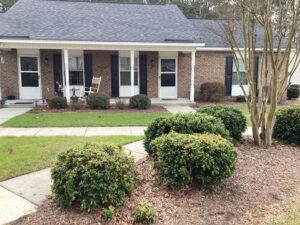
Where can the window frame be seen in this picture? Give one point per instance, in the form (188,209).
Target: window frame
(135,71)
(81,55)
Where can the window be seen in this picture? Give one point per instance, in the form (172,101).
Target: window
(29,71)
(168,73)
(125,73)
(76,70)
(243,75)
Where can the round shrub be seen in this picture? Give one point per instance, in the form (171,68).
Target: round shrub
(58,102)
(139,102)
(206,159)
(233,119)
(93,175)
(293,92)
(144,214)
(287,125)
(186,123)
(98,101)
(240,98)
(212,91)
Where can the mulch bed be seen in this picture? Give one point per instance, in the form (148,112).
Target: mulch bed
(46,109)
(265,179)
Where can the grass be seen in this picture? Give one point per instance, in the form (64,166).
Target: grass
(21,155)
(291,217)
(82,119)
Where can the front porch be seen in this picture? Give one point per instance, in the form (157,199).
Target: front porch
(167,77)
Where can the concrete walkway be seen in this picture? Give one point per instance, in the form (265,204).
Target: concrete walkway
(22,195)
(179,109)
(72,131)
(9,113)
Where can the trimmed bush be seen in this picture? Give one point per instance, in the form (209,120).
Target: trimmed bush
(93,175)
(293,92)
(212,91)
(287,125)
(144,213)
(234,120)
(108,213)
(187,123)
(139,102)
(120,104)
(206,159)
(98,101)
(58,102)
(240,98)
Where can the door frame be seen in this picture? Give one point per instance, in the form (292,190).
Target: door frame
(36,55)
(159,76)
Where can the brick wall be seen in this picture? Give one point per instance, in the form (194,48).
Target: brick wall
(184,75)
(210,67)
(47,74)
(152,73)
(9,81)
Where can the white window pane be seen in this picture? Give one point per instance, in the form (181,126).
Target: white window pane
(76,63)
(168,65)
(126,78)
(241,66)
(29,64)
(125,64)
(236,80)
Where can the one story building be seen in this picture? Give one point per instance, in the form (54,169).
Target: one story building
(135,49)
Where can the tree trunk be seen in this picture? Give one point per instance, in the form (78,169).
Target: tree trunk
(269,127)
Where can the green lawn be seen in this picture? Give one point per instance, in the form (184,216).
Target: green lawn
(21,155)
(83,119)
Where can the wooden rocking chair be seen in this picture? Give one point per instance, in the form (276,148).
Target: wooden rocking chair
(95,86)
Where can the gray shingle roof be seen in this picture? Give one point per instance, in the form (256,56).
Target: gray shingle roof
(85,21)
(207,31)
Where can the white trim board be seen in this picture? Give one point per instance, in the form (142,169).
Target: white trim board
(90,45)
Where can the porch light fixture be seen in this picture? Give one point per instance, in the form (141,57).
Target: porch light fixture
(152,63)
(46,61)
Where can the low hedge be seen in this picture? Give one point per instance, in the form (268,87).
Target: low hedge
(58,102)
(206,159)
(234,120)
(186,123)
(287,125)
(293,92)
(212,91)
(93,175)
(139,102)
(98,101)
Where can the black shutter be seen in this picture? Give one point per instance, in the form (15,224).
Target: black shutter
(115,76)
(228,74)
(143,74)
(256,67)
(57,70)
(88,70)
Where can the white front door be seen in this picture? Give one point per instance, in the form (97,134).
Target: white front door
(168,78)
(29,77)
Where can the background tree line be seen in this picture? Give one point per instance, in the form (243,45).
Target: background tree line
(206,9)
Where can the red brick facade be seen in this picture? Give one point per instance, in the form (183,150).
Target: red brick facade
(210,66)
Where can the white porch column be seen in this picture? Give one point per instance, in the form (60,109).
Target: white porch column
(192,91)
(67,86)
(132,72)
